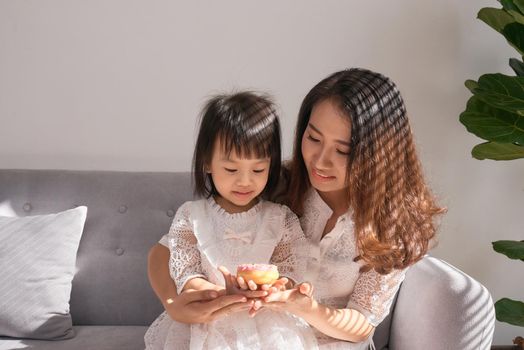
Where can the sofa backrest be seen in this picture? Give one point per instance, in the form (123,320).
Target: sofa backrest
(127,213)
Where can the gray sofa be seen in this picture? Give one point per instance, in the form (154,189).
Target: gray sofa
(112,304)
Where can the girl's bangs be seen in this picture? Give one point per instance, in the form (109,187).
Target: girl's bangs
(256,145)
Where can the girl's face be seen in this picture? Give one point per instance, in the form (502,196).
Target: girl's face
(325,147)
(239,181)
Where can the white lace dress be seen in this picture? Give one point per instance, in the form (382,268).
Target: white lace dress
(336,277)
(204,236)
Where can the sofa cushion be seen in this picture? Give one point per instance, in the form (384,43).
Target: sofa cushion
(128,213)
(87,337)
(37,259)
(441,307)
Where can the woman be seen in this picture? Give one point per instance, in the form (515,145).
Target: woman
(356,184)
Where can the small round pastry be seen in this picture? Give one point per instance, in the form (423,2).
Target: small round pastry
(258,273)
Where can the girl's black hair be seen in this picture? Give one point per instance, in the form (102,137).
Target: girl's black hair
(245,122)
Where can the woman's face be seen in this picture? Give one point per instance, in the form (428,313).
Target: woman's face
(325,147)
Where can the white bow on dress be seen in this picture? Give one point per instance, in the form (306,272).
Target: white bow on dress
(245,236)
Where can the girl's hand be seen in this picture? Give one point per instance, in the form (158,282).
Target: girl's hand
(237,285)
(278,286)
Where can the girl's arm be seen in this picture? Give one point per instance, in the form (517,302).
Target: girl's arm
(185,259)
(291,251)
(344,324)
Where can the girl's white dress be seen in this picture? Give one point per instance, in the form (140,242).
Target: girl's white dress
(335,276)
(204,236)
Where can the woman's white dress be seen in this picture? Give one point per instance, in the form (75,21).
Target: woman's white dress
(204,236)
(336,277)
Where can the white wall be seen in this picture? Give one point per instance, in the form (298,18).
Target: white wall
(117,85)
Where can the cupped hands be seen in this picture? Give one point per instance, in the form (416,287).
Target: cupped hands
(204,306)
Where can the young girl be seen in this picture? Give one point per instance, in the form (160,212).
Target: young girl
(236,165)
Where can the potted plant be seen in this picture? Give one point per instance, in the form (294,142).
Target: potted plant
(495,113)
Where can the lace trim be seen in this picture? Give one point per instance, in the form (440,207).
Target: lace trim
(235,216)
(374,293)
(290,254)
(185,261)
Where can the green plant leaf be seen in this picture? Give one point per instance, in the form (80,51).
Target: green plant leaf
(517,16)
(508,5)
(514,34)
(510,311)
(511,249)
(495,18)
(517,66)
(520,5)
(497,151)
(501,91)
(471,85)
(492,124)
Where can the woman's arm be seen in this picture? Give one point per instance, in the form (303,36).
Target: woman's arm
(344,324)
(161,281)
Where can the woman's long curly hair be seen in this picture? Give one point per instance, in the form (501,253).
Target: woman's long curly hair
(393,209)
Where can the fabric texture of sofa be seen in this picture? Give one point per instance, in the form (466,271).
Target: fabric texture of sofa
(437,307)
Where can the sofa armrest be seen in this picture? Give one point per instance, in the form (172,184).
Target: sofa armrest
(440,307)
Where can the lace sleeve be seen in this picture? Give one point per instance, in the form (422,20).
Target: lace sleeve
(185,260)
(374,293)
(290,253)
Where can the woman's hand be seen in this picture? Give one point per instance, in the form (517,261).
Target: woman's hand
(190,306)
(203,306)
(296,300)
(345,324)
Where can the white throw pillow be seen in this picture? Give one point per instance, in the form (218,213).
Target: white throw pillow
(37,265)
